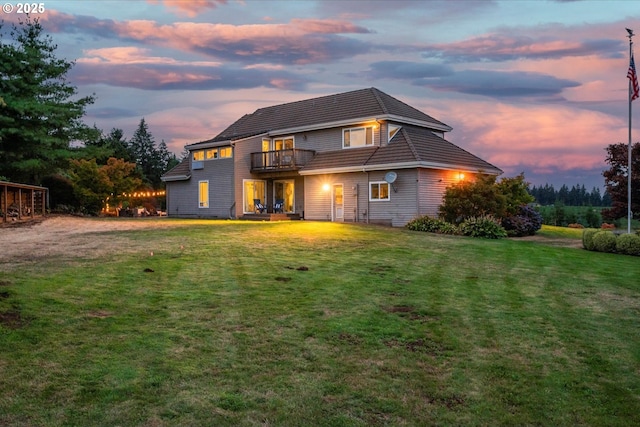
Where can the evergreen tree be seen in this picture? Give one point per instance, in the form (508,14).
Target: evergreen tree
(145,155)
(38,118)
(152,161)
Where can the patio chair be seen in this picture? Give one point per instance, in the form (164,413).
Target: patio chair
(259,207)
(279,206)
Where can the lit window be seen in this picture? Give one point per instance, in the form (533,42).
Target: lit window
(198,155)
(203,194)
(225,152)
(212,154)
(378,191)
(357,137)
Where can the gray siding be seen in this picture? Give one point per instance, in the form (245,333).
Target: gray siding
(402,206)
(242,160)
(432,184)
(182,196)
(357,207)
(329,139)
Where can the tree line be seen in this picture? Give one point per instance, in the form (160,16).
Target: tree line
(44,141)
(577,195)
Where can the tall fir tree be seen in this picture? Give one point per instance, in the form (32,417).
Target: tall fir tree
(148,158)
(38,116)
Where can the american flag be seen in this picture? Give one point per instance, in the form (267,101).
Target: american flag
(633,78)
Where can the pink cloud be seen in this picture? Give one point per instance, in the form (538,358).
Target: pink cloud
(134,55)
(189,8)
(536,136)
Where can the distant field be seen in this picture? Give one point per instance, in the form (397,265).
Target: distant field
(165,322)
(585,215)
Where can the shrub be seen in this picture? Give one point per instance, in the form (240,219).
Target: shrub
(628,244)
(575,226)
(587,239)
(424,223)
(485,226)
(431,225)
(525,223)
(604,241)
(606,226)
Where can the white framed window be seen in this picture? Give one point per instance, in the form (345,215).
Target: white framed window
(379,190)
(357,137)
(226,152)
(203,194)
(198,155)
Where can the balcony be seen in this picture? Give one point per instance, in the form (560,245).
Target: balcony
(280,160)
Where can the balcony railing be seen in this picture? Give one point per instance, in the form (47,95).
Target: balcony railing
(280,160)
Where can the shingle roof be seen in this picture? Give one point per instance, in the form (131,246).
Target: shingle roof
(412,146)
(181,171)
(358,104)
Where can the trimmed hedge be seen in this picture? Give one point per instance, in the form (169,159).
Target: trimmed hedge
(587,238)
(628,244)
(604,241)
(607,241)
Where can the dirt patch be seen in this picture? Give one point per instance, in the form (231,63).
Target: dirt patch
(67,237)
(12,319)
(399,309)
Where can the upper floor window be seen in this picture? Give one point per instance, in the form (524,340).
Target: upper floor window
(278,144)
(357,137)
(225,152)
(211,154)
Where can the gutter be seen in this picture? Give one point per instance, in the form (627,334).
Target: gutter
(405,165)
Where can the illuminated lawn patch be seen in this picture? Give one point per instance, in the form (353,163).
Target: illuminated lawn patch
(305,323)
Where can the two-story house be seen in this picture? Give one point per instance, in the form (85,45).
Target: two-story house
(360,156)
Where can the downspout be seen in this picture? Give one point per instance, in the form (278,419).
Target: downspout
(367,195)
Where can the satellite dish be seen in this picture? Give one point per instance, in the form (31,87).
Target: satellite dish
(391,177)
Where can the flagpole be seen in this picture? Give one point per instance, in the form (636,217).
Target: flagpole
(629,148)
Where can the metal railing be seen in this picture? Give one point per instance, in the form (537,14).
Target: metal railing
(280,160)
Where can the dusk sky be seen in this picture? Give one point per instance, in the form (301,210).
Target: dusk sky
(531,86)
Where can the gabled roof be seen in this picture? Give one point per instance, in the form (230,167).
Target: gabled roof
(181,172)
(326,111)
(411,147)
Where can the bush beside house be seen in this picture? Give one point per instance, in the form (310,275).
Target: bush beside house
(484,208)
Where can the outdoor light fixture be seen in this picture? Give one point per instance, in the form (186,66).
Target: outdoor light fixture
(460,176)
(326,187)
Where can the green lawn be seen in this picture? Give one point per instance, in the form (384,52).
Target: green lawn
(305,323)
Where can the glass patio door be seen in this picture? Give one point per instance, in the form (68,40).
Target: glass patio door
(284,190)
(254,190)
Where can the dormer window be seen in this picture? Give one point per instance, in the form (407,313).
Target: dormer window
(357,137)
(393,130)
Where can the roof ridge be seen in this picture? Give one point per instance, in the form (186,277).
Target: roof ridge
(382,105)
(412,147)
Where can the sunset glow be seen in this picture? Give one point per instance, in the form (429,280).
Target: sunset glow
(531,86)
